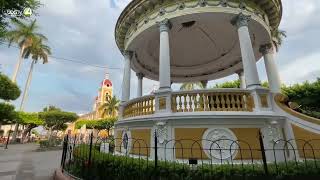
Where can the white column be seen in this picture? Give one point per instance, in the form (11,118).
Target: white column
(140,79)
(242,79)
(164,55)
(126,76)
(271,68)
(248,58)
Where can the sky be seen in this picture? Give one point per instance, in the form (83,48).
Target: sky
(83,30)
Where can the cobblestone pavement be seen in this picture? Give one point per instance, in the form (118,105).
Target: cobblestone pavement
(22,162)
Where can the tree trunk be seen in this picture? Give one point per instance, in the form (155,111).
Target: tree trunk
(17,68)
(49,134)
(26,131)
(25,93)
(27,86)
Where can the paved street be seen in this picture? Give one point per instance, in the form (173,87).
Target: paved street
(22,162)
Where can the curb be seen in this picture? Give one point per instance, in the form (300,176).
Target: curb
(59,175)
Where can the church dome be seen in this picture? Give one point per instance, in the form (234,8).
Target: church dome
(107,83)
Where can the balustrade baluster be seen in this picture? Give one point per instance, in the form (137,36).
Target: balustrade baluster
(180,103)
(223,102)
(218,102)
(233,102)
(173,102)
(201,103)
(228,102)
(243,102)
(150,107)
(212,108)
(185,103)
(238,103)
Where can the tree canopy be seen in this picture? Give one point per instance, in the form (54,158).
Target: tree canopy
(99,124)
(8,89)
(55,119)
(31,119)
(110,108)
(7,113)
(307,95)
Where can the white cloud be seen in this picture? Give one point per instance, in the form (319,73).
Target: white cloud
(301,69)
(298,14)
(60,7)
(120,3)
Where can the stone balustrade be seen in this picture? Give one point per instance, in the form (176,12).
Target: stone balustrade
(194,101)
(139,107)
(212,100)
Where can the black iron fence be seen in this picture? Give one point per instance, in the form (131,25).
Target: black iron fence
(126,158)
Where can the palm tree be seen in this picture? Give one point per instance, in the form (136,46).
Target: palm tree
(38,51)
(277,38)
(23,35)
(110,108)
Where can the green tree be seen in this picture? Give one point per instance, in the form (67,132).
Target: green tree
(193,85)
(100,124)
(55,119)
(236,84)
(229,84)
(277,38)
(7,114)
(38,51)
(19,5)
(110,108)
(24,35)
(8,91)
(307,95)
(30,120)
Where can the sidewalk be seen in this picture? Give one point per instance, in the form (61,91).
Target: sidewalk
(21,162)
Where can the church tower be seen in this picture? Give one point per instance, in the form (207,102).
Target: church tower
(105,92)
(106,89)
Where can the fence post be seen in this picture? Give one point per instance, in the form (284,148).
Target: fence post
(90,150)
(64,151)
(155,149)
(263,153)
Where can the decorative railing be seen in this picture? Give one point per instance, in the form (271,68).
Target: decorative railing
(139,107)
(209,100)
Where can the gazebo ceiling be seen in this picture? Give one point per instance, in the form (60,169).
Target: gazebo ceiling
(202,46)
(138,10)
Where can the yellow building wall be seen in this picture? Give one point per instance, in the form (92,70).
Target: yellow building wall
(248,136)
(141,141)
(190,138)
(188,143)
(302,135)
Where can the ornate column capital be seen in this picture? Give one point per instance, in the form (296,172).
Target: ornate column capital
(140,75)
(240,20)
(266,49)
(128,54)
(164,25)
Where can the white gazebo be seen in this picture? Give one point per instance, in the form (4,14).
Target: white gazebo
(201,40)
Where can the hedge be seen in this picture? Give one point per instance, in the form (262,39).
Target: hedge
(108,166)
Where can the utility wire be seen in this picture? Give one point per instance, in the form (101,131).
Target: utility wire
(70,60)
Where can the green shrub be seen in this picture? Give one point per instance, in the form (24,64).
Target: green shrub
(44,143)
(120,167)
